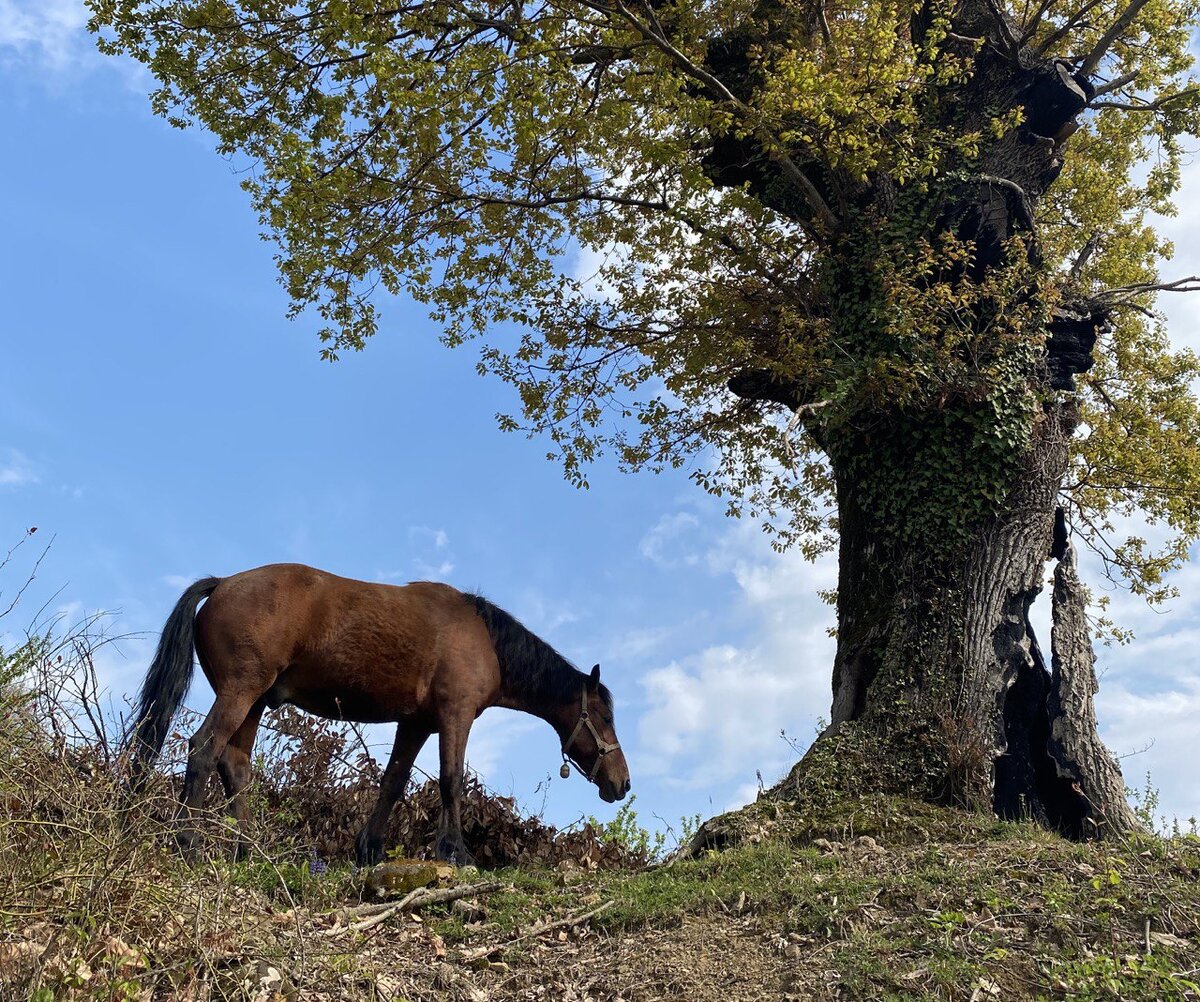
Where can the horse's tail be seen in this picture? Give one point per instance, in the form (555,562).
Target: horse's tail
(166,682)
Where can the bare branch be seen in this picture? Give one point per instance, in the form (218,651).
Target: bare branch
(1155,105)
(1122,81)
(1124,292)
(1092,59)
(1085,255)
(798,415)
(1068,26)
(1003,182)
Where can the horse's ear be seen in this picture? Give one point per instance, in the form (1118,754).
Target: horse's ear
(594,678)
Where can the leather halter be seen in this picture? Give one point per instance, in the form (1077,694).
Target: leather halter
(602,747)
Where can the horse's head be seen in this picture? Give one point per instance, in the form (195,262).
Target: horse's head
(590,740)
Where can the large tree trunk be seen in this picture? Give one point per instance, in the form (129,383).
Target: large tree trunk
(940,689)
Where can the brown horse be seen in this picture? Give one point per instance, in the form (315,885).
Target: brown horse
(424,655)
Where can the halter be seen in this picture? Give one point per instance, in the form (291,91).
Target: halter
(602,747)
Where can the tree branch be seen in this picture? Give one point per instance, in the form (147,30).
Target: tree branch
(1121,81)
(1003,182)
(771,144)
(1154,105)
(1124,292)
(1092,59)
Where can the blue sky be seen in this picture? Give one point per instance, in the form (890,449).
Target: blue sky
(161,420)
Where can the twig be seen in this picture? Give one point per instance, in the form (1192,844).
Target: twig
(797,416)
(470,956)
(419,898)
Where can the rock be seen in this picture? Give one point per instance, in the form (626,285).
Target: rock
(400,876)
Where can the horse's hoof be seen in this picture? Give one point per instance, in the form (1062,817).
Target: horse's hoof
(454,854)
(368,852)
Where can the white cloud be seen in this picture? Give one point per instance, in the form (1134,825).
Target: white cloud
(1164,724)
(491,746)
(713,716)
(47,33)
(433,571)
(429,563)
(15,468)
(436,538)
(1149,694)
(48,43)
(636,645)
(716,715)
(671,541)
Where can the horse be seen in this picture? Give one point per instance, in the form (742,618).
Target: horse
(424,655)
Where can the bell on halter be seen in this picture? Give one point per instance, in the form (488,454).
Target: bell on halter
(565,771)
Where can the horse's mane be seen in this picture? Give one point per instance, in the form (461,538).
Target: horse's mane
(530,668)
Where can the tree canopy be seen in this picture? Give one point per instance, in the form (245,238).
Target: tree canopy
(728,234)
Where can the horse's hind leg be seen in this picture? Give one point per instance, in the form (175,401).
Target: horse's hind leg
(204,749)
(410,738)
(234,769)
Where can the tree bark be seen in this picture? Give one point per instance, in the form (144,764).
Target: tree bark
(1080,757)
(940,689)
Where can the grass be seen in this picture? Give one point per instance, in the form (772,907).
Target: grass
(863,898)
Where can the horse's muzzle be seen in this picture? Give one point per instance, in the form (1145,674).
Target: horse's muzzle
(611,792)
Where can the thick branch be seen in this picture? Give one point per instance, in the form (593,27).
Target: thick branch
(770,143)
(1092,60)
(764,385)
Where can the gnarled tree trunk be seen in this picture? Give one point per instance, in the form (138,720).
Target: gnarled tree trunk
(939,685)
(940,689)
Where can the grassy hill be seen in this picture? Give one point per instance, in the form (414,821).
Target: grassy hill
(862,898)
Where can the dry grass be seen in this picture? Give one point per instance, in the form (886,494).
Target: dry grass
(863,898)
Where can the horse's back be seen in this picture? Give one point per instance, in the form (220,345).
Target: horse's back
(300,630)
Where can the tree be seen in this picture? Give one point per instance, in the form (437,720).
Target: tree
(879,272)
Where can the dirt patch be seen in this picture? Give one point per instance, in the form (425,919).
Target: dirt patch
(702,959)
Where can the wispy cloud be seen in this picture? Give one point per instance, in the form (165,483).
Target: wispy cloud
(714,715)
(16,470)
(423,534)
(430,559)
(48,33)
(672,541)
(48,42)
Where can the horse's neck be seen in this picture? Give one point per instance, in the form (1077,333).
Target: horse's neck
(554,714)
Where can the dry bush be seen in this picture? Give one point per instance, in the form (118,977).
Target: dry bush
(317,778)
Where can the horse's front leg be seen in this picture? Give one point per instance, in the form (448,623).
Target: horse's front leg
(452,746)
(410,737)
